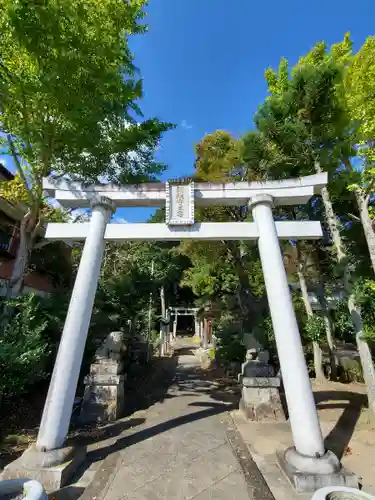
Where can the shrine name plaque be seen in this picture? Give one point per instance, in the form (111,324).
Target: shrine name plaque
(179,204)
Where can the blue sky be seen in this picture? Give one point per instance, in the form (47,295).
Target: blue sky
(203,62)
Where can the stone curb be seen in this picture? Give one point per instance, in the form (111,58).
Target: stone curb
(102,480)
(257,486)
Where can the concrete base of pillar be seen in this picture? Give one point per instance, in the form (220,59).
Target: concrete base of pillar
(53,469)
(260,401)
(307,474)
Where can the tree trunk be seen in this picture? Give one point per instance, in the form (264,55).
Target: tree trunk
(362,201)
(318,362)
(364,352)
(321,293)
(21,262)
(318,358)
(163,328)
(354,309)
(333,225)
(162,301)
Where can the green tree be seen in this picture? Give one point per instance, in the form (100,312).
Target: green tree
(25,347)
(305,118)
(360,99)
(68,97)
(226,274)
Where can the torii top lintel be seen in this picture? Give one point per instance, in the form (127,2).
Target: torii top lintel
(285,192)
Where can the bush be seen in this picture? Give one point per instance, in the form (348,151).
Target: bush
(314,328)
(25,348)
(344,330)
(230,347)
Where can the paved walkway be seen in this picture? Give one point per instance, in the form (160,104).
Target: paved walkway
(186,448)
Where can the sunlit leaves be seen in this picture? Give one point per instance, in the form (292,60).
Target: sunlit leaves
(68,87)
(14,190)
(218,155)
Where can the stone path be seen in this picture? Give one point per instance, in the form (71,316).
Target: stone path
(186,448)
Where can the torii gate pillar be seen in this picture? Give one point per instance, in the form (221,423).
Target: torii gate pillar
(59,403)
(308,455)
(196,326)
(175,326)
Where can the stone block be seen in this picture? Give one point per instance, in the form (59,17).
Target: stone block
(257,369)
(109,366)
(260,399)
(104,398)
(52,476)
(205,359)
(104,379)
(261,382)
(304,482)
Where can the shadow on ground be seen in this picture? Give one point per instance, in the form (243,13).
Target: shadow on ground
(145,386)
(352,404)
(165,382)
(137,437)
(187,381)
(192,381)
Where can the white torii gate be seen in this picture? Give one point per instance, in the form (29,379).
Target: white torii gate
(177,311)
(308,454)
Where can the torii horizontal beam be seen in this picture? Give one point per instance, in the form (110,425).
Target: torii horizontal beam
(286,230)
(285,192)
(183,311)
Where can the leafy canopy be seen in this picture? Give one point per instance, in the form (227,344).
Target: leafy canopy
(69,90)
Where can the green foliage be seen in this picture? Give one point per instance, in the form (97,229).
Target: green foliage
(314,328)
(69,95)
(211,279)
(25,348)
(267,329)
(366,298)
(132,274)
(122,299)
(212,353)
(304,119)
(344,330)
(217,155)
(359,92)
(45,49)
(53,261)
(230,347)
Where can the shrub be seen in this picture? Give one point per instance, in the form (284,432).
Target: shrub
(230,347)
(314,328)
(344,330)
(24,346)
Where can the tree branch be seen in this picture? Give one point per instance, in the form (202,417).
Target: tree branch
(354,217)
(19,167)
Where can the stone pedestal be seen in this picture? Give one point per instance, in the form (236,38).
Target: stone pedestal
(205,359)
(104,399)
(308,474)
(260,392)
(260,401)
(53,469)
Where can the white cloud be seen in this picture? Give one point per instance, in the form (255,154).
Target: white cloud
(119,220)
(185,125)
